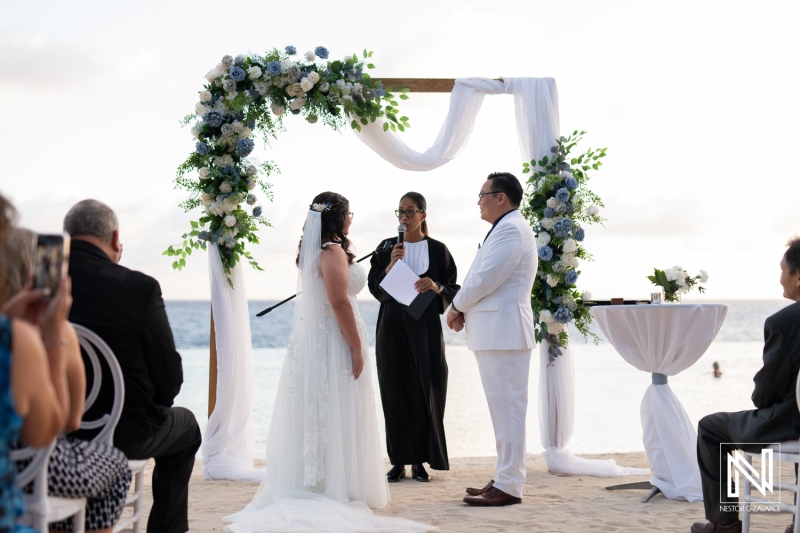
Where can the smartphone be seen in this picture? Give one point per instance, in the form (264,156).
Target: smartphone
(50,262)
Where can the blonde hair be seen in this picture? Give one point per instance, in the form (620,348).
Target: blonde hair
(16,256)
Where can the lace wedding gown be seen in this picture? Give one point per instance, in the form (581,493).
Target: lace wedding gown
(324,460)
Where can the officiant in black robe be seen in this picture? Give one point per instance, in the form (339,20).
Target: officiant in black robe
(410,353)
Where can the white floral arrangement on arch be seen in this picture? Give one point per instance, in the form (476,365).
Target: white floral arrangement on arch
(558,205)
(251,94)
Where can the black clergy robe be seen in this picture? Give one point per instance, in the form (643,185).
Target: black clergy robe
(412,369)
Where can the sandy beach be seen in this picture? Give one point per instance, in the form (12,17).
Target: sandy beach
(551,502)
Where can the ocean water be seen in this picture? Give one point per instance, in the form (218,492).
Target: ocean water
(608,390)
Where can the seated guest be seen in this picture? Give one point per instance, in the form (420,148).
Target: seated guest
(77,468)
(125,309)
(775,418)
(33,399)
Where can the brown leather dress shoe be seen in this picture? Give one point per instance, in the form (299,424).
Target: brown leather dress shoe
(493,497)
(477,492)
(789,528)
(708,527)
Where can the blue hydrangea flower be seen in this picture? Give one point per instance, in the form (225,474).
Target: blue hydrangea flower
(554,149)
(273,68)
(291,50)
(569,208)
(244,147)
(237,74)
(562,195)
(558,300)
(580,235)
(257,211)
(545,253)
(571,277)
(214,118)
(563,315)
(240,59)
(321,52)
(571,183)
(562,228)
(201,148)
(230,171)
(204,235)
(548,212)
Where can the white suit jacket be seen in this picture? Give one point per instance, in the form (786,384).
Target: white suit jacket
(496,294)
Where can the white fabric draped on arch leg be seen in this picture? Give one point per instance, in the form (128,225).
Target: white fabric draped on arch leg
(228,444)
(557,418)
(537,119)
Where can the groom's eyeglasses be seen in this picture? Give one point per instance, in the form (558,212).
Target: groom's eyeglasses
(409,214)
(482,194)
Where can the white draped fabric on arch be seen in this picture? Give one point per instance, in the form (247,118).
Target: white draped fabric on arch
(227,449)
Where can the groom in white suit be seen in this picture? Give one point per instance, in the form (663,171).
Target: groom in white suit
(494,304)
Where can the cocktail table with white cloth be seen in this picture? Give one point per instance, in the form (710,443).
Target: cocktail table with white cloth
(664,340)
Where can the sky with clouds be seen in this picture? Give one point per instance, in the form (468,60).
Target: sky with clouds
(696,102)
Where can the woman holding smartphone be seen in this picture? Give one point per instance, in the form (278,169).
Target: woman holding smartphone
(412,369)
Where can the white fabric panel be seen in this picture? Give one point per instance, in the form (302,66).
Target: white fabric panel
(228,445)
(665,339)
(417,257)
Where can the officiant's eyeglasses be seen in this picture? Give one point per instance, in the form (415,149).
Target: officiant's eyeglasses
(482,194)
(409,214)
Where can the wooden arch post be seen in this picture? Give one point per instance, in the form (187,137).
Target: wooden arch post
(416,85)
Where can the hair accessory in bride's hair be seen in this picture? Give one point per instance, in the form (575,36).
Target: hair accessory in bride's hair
(320,207)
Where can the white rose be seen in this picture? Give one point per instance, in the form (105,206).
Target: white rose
(230,221)
(278,110)
(703,276)
(201,109)
(570,245)
(286,65)
(215,209)
(586,296)
(251,170)
(310,56)
(547,223)
(251,199)
(254,72)
(325,87)
(196,129)
(340,82)
(206,198)
(205,96)
(251,184)
(261,86)
(672,274)
(313,77)
(221,107)
(245,133)
(231,95)
(297,103)
(215,73)
(593,211)
(306,85)
(552,203)
(204,172)
(546,317)
(294,89)
(552,280)
(225,187)
(346,89)
(542,239)
(347,97)
(229,204)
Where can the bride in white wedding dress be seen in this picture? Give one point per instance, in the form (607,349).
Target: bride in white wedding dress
(324,461)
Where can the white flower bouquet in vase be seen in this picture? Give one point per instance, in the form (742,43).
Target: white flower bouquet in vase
(676,281)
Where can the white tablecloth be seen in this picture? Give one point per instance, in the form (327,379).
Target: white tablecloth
(665,339)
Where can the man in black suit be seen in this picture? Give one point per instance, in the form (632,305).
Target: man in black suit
(125,308)
(776,417)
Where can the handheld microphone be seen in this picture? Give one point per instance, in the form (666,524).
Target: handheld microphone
(401,233)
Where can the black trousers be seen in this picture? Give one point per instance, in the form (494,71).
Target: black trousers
(712,431)
(173,447)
